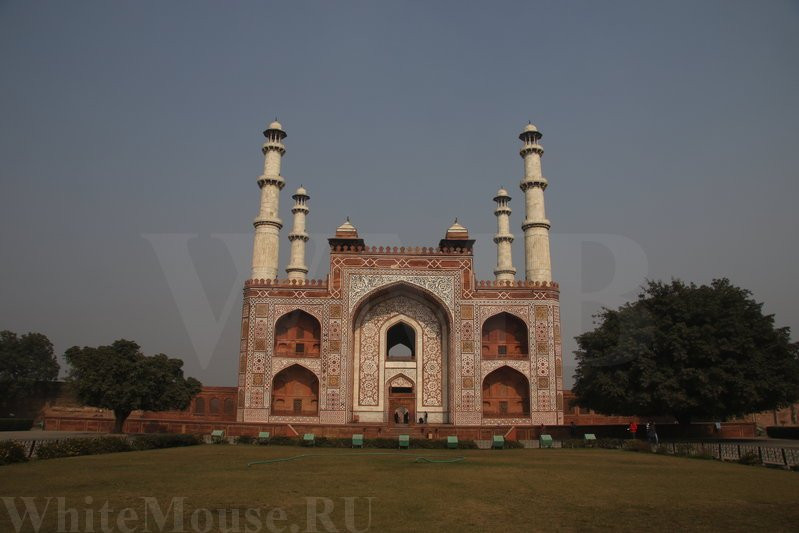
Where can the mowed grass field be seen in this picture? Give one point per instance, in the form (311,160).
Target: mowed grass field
(508,490)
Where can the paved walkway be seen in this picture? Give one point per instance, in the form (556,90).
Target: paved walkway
(782,443)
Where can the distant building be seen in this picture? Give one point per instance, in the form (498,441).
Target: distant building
(392,334)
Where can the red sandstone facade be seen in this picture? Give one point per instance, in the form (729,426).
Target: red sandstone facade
(475,353)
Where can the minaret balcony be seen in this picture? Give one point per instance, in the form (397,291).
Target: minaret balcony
(503,237)
(531,149)
(270,146)
(530,183)
(268,222)
(277,181)
(535,224)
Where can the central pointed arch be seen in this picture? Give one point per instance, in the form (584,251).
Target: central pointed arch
(431,342)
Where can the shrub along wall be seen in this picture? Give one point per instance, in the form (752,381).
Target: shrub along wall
(12,452)
(16,424)
(100,445)
(783,432)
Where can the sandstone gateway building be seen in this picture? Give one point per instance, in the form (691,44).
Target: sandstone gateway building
(399,334)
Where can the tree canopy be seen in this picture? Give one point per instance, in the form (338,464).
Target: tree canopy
(24,361)
(121,378)
(687,351)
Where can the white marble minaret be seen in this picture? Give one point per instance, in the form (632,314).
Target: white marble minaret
(296,268)
(266,245)
(537,265)
(503,238)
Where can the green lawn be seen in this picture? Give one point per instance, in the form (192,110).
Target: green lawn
(509,490)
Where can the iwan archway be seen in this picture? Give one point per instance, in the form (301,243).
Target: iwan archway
(400,331)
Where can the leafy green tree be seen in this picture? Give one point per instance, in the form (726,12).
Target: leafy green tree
(687,351)
(119,377)
(24,361)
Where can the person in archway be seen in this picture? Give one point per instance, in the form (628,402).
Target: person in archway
(405,417)
(425,417)
(396,417)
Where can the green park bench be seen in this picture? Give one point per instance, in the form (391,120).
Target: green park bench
(217,436)
(263,437)
(357,440)
(590,439)
(545,441)
(452,442)
(498,442)
(308,439)
(404,441)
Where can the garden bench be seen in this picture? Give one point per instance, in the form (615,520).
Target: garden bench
(217,436)
(357,440)
(498,442)
(452,442)
(545,441)
(404,441)
(308,439)
(263,437)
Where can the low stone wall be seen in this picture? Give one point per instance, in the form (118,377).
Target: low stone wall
(728,430)
(233,429)
(104,424)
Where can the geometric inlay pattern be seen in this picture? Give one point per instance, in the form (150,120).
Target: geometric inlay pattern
(371,343)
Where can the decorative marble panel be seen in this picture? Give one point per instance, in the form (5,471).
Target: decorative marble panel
(362,284)
(401,381)
(370,342)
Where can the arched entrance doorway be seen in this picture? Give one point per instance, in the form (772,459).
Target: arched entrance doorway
(401,401)
(295,392)
(401,330)
(506,394)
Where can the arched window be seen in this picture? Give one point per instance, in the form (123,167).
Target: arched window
(297,334)
(506,394)
(295,392)
(401,341)
(199,406)
(213,406)
(230,406)
(504,336)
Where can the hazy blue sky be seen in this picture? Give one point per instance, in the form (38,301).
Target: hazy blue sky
(130,141)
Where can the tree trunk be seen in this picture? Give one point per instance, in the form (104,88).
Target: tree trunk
(683,419)
(119,420)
